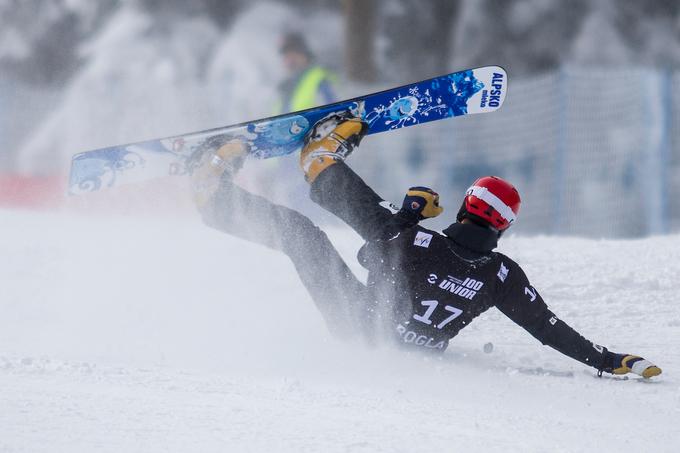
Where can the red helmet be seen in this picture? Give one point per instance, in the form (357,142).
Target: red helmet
(491,201)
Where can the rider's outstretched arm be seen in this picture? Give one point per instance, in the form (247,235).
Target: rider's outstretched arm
(522,304)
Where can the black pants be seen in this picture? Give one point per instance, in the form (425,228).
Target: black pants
(341,298)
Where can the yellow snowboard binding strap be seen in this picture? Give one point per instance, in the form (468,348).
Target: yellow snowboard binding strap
(331,140)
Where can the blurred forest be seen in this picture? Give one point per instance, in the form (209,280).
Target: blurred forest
(82,74)
(402,39)
(44,43)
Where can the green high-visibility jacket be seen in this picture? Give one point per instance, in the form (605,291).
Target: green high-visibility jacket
(313,87)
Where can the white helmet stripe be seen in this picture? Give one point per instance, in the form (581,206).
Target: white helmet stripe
(483,194)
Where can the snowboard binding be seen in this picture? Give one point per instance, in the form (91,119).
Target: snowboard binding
(222,159)
(332,139)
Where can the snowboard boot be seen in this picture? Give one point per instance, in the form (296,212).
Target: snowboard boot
(212,166)
(331,140)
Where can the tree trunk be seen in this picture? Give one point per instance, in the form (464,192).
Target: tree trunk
(360,24)
(445,18)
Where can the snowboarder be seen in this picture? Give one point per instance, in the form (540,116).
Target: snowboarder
(423,287)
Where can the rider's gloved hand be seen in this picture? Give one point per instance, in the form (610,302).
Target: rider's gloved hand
(421,202)
(627,363)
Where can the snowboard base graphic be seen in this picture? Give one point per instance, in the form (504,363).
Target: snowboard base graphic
(466,92)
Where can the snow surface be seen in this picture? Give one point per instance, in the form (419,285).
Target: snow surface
(158,335)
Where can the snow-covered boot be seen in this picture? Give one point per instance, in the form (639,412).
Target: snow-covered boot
(213,165)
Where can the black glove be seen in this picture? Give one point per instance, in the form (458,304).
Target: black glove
(421,202)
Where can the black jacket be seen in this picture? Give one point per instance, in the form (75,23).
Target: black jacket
(427,286)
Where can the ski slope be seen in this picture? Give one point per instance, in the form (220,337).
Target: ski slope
(121,335)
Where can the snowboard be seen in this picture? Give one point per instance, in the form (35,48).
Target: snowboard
(466,92)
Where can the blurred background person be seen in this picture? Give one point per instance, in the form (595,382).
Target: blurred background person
(307,84)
